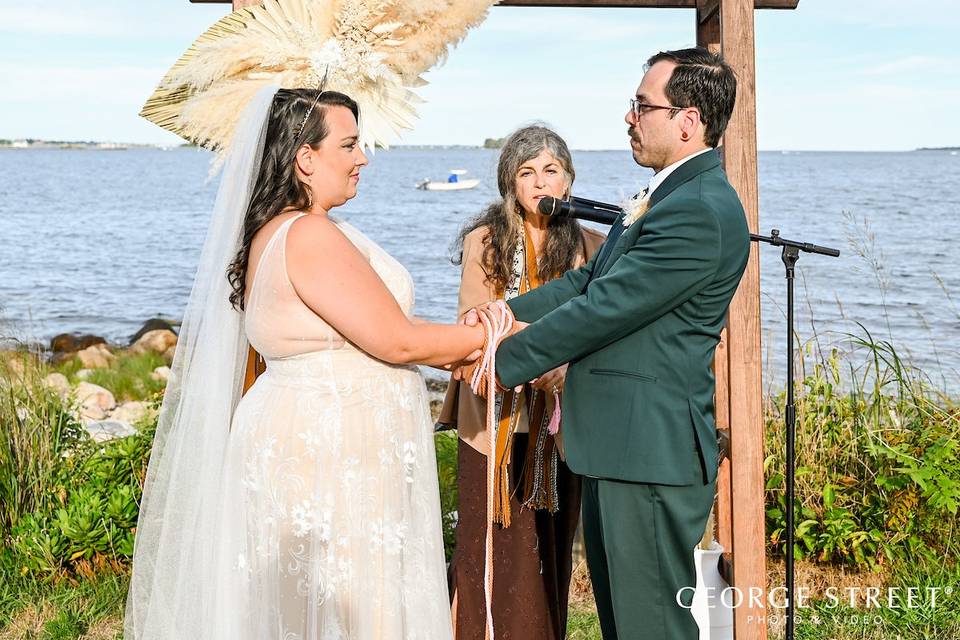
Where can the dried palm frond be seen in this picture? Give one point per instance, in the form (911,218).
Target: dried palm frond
(373,50)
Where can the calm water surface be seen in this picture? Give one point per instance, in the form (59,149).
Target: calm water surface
(99,241)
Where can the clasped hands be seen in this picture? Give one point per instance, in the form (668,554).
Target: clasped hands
(466,369)
(550,381)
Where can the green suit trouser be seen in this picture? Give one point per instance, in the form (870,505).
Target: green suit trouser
(639,541)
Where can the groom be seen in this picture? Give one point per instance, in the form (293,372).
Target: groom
(639,324)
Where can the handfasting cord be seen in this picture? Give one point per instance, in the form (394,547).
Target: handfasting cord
(497,322)
(554,425)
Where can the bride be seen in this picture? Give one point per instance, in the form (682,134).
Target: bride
(309,507)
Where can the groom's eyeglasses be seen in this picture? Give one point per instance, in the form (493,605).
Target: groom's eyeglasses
(640,108)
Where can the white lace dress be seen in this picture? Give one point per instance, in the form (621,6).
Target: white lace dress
(330,513)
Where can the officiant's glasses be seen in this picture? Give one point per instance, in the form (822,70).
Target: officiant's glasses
(640,108)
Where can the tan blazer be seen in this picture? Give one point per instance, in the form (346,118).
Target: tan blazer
(461,407)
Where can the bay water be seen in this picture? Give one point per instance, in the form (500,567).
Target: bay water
(98,241)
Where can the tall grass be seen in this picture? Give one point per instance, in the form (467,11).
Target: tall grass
(88,610)
(923,619)
(36,432)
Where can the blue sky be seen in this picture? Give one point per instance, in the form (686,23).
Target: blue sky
(833,75)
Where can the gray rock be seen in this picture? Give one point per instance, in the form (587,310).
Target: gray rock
(105,430)
(58,382)
(95,401)
(436,385)
(131,412)
(161,373)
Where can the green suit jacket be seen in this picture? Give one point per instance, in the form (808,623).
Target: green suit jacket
(639,324)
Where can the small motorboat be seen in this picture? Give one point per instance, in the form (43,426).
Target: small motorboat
(455,182)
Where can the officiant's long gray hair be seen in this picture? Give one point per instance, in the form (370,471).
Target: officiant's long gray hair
(504,219)
(277,188)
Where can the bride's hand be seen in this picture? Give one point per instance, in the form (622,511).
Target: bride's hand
(552,380)
(469,360)
(471,319)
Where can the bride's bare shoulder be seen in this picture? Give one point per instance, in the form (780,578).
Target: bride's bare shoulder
(265,232)
(316,238)
(312,229)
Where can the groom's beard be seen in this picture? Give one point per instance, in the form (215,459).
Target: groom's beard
(635,148)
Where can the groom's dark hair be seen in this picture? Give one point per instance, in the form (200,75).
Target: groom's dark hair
(703,80)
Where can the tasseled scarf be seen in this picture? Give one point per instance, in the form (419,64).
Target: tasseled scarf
(539,481)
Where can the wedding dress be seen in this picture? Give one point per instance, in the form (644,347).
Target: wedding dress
(308,509)
(329,514)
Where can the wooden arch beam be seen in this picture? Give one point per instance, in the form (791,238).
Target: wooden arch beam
(656,4)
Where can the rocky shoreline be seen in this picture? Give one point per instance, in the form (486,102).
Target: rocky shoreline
(92,405)
(97,407)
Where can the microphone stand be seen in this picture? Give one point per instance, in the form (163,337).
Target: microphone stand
(790,254)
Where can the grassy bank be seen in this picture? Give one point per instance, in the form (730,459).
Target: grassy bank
(92,609)
(877,497)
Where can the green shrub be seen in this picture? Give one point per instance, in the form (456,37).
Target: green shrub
(878,461)
(69,504)
(446,446)
(93,527)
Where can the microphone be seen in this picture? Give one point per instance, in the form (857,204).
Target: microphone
(580,208)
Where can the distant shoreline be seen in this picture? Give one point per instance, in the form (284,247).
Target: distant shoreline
(74,144)
(31,143)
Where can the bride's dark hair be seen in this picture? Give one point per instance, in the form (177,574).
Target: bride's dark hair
(277,188)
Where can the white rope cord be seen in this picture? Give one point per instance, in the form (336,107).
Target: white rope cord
(497,322)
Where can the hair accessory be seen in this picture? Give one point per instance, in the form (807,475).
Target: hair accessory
(316,101)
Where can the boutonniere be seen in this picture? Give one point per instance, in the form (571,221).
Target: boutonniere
(634,208)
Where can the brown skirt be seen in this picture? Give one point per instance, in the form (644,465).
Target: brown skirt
(532,557)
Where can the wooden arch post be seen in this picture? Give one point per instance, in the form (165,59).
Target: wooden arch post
(727,27)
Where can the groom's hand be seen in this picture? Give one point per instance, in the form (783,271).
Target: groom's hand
(465,372)
(472,317)
(518,327)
